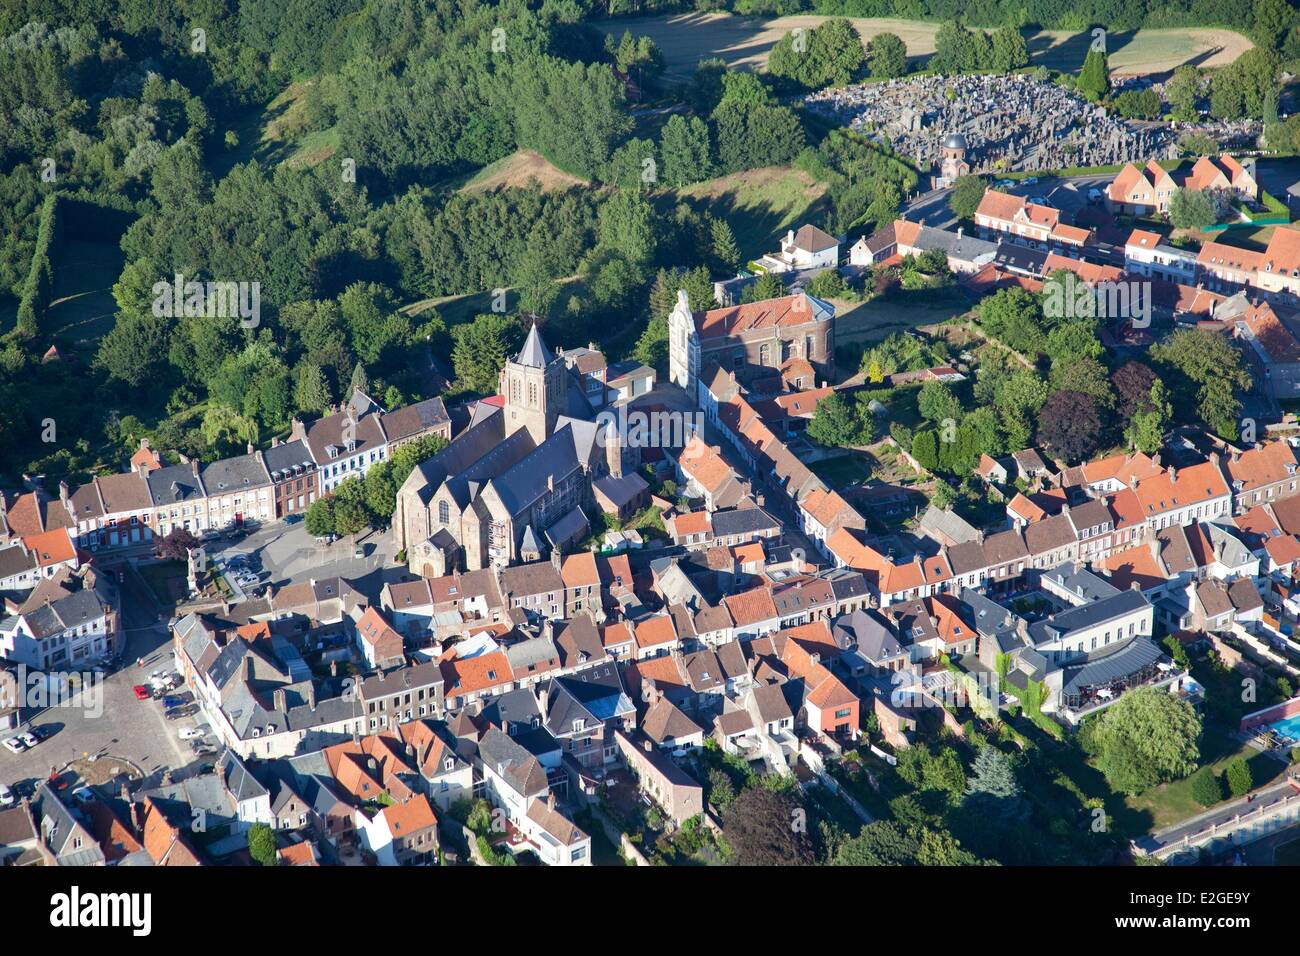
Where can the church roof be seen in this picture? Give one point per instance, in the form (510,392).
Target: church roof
(534,354)
(527,480)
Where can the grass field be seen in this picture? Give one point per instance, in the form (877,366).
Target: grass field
(82,308)
(761,204)
(518,169)
(686,39)
(277,133)
(1169,803)
(875,319)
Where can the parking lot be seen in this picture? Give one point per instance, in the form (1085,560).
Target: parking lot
(283,554)
(104,718)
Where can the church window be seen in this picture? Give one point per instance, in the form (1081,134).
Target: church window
(444,513)
(808,348)
(763,355)
(532,394)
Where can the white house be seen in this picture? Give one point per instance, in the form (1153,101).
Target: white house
(809,248)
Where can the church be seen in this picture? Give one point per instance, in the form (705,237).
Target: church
(514,484)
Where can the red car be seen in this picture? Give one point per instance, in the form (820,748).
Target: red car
(141,692)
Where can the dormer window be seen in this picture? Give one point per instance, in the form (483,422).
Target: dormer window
(579,724)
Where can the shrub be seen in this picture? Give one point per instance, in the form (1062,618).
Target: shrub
(1207,789)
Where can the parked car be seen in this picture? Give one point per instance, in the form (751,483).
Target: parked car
(7,798)
(360,552)
(171,701)
(141,692)
(191,733)
(176,713)
(83,795)
(29,740)
(15,745)
(1029,180)
(204,750)
(1094,194)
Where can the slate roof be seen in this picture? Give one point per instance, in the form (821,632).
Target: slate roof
(233,474)
(287,456)
(173,484)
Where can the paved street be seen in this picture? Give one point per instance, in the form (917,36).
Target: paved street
(1263,798)
(289,554)
(108,719)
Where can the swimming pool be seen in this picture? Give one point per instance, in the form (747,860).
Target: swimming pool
(1289,727)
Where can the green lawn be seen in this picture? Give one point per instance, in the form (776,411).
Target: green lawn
(82,309)
(1171,802)
(842,471)
(760,204)
(879,317)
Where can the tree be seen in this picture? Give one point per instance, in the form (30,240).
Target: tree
(768,285)
(833,423)
(925,449)
(319,519)
(1239,89)
(1132,382)
(955,50)
(767,828)
(1204,371)
(311,391)
(725,249)
(685,151)
(1146,738)
(261,845)
(1015,317)
(1094,77)
(965,196)
(1009,51)
(1207,789)
(1018,399)
(829,55)
(176,545)
(937,403)
(1070,425)
(1239,778)
(887,56)
(1192,209)
(480,350)
(882,843)
(1138,104)
(1147,432)
(1183,91)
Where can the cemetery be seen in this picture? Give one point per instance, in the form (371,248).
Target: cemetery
(1010,123)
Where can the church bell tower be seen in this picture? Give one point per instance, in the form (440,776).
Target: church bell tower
(533,385)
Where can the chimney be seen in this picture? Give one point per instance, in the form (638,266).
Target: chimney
(281,704)
(1133,585)
(297,430)
(648,745)
(556,558)
(1173,474)
(960,230)
(543,699)
(550,482)
(249,448)
(64,494)
(550,799)
(137,815)
(334,668)
(311,695)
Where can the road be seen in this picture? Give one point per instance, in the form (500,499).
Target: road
(105,718)
(1170,836)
